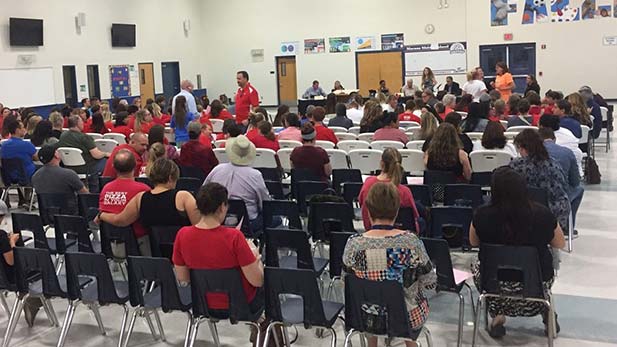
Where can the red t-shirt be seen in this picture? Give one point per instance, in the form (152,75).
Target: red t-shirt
(409,117)
(110,171)
(206,141)
(325,134)
(145,127)
(88,129)
(205,119)
(165,118)
(124,130)
(261,141)
(312,158)
(223,115)
(403,192)
(226,248)
(131,122)
(195,154)
(245,98)
(251,134)
(117,194)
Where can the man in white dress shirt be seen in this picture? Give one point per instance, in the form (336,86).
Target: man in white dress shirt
(186,87)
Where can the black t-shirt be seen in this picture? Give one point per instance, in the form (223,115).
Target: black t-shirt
(467,144)
(487,221)
(5,246)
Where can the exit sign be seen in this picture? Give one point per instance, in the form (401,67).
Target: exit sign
(508,37)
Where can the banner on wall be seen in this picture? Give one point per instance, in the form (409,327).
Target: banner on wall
(313,46)
(443,58)
(392,42)
(340,44)
(367,43)
(289,48)
(119,78)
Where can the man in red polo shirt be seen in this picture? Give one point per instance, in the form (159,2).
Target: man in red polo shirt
(323,133)
(137,146)
(117,194)
(247,98)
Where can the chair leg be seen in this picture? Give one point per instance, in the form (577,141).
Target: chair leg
(131,327)
(68,319)
(477,320)
(146,315)
(5,305)
(471,300)
(157,318)
(189,325)
(570,232)
(428,336)
(97,316)
(551,328)
(194,331)
(286,340)
(256,326)
(15,313)
(268,332)
(333,340)
(51,313)
(125,317)
(461,319)
(31,199)
(215,333)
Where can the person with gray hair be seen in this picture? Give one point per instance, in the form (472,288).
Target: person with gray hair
(596,112)
(449,101)
(186,87)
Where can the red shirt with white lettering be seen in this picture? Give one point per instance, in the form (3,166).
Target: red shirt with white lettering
(408,116)
(110,171)
(117,194)
(245,98)
(226,248)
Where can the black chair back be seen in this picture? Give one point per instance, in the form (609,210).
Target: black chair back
(226,281)
(439,252)
(539,195)
(298,175)
(297,282)
(421,193)
(13,172)
(387,294)
(482,178)
(283,208)
(111,233)
(296,240)
(160,271)
(237,213)
(193,172)
(320,212)
(76,227)
(469,195)
(60,238)
(340,176)
(351,190)
(103,180)
(451,216)
(270,173)
(5,283)
(144,180)
(91,265)
(338,241)
(405,219)
(32,264)
(88,205)
(275,189)
(51,204)
(499,263)
(437,180)
(306,189)
(162,240)
(189,184)
(32,223)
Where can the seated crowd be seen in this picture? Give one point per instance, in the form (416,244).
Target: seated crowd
(549,158)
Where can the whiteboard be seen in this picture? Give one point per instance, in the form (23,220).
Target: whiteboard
(27,87)
(443,59)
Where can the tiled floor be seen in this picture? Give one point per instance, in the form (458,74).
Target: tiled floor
(585,296)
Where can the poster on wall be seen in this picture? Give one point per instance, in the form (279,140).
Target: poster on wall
(340,44)
(313,46)
(588,9)
(367,43)
(535,11)
(392,42)
(443,58)
(563,11)
(499,12)
(289,48)
(603,11)
(512,6)
(120,81)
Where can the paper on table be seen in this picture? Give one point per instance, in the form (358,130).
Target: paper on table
(415,180)
(461,276)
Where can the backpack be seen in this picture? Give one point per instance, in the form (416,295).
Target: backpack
(592,171)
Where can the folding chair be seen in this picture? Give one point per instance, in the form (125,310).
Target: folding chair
(497,261)
(488,161)
(289,144)
(217,125)
(354,130)
(325,144)
(342,176)
(189,184)
(366,160)
(413,161)
(221,155)
(284,154)
(296,240)
(338,159)
(381,145)
(417,145)
(437,180)
(463,195)
(265,158)
(451,217)
(192,172)
(162,240)
(338,129)
(346,136)
(473,136)
(368,137)
(520,128)
(350,145)
(14,176)
(106,145)
(72,157)
(95,136)
(119,138)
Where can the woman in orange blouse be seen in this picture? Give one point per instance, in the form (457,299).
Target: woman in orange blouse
(504,82)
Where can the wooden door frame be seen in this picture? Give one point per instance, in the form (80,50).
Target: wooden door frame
(153,80)
(402,52)
(278,86)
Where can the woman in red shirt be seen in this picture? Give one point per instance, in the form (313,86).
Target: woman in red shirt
(157,116)
(253,130)
(266,137)
(218,110)
(97,125)
(143,121)
(227,248)
(391,171)
(120,126)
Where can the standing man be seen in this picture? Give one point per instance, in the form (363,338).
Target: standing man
(187,92)
(247,98)
(313,91)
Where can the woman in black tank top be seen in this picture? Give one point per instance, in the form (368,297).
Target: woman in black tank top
(162,206)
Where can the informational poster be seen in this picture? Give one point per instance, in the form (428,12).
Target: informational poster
(392,42)
(289,48)
(120,81)
(609,41)
(367,43)
(340,44)
(313,46)
(443,58)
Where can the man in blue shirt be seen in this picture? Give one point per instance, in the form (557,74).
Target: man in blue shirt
(16,148)
(313,91)
(563,109)
(566,159)
(596,112)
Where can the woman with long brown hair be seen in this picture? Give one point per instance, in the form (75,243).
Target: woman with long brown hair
(445,153)
(180,119)
(265,138)
(372,119)
(428,79)
(580,112)
(428,126)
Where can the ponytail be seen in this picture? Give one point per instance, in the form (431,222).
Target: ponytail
(392,167)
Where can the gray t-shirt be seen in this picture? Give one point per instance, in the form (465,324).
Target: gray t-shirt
(55,179)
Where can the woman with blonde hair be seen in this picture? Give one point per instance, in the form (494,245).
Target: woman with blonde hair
(157,150)
(143,121)
(107,115)
(579,109)
(445,153)
(428,126)
(372,119)
(391,172)
(32,123)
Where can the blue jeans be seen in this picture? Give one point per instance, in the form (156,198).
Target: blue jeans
(575,195)
(94,172)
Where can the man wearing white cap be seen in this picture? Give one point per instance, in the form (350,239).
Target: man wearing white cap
(241,180)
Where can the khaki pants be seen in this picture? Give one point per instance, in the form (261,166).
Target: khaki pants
(119,251)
